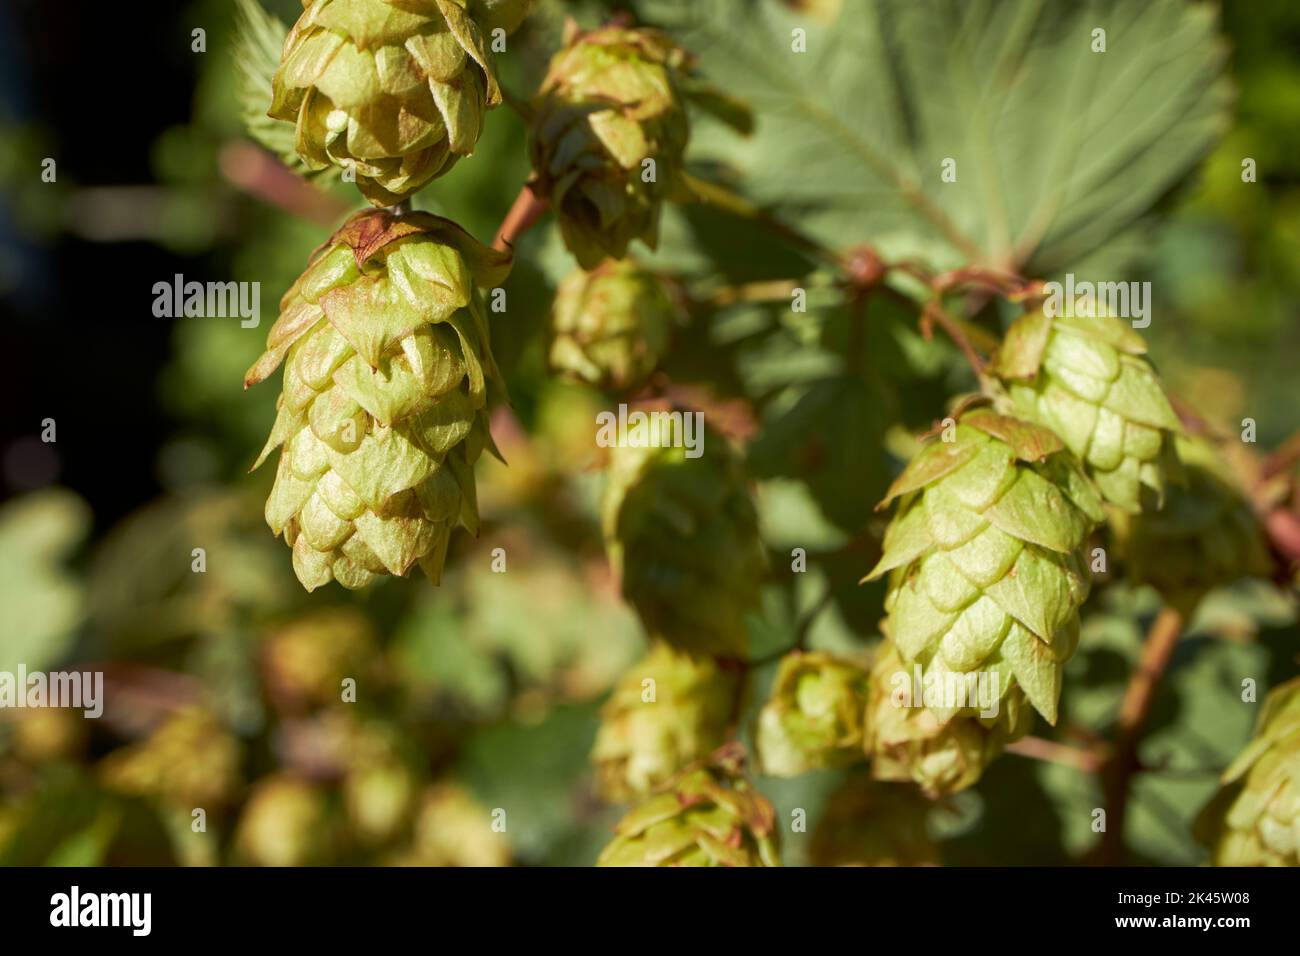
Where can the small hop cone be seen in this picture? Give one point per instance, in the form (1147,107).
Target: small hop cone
(190,760)
(869,823)
(395,91)
(1205,536)
(453,829)
(387,385)
(682,534)
(611,326)
(285,822)
(305,661)
(939,751)
(641,744)
(986,555)
(708,816)
(609,102)
(1254,820)
(815,716)
(1088,380)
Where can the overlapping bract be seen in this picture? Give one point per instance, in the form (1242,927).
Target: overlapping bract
(1206,535)
(384,410)
(1087,380)
(1255,819)
(986,556)
(867,823)
(708,816)
(612,325)
(682,534)
(394,90)
(649,732)
(609,103)
(815,716)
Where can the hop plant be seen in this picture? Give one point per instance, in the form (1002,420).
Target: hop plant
(985,556)
(190,760)
(387,383)
(285,822)
(708,816)
(649,732)
(1088,380)
(393,91)
(815,716)
(682,534)
(453,829)
(939,750)
(610,101)
(1205,536)
(868,823)
(1254,820)
(305,661)
(611,326)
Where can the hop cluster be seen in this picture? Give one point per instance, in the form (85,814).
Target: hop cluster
(384,409)
(815,716)
(1255,819)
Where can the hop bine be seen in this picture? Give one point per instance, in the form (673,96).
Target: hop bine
(384,410)
(394,91)
(1088,380)
(815,716)
(1254,820)
(649,732)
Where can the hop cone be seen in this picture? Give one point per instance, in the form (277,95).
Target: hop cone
(709,816)
(609,101)
(305,662)
(285,822)
(1087,380)
(384,410)
(611,326)
(1206,535)
(940,752)
(190,761)
(453,829)
(392,89)
(985,551)
(682,533)
(815,716)
(866,823)
(1255,819)
(643,741)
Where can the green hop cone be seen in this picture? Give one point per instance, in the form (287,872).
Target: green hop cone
(611,326)
(649,732)
(394,90)
(708,816)
(1205,536)
(682,534)
(286,822)
(305,661)
(1255,819)
(869,823)
(1088,380)
(609,103)
(189,761)
(815,716)
(453,829)
(986,555)
(940,752)
(387,385)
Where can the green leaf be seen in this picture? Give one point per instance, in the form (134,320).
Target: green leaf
(259,37)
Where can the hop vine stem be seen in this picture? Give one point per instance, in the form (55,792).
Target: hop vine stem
(527,209)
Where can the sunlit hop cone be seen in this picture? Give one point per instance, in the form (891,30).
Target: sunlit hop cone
(608,136)
(682,533)
(394,91)
(1206,535)
(708,816)
(986,555)
(191,760)
(387,382)
(666,712)
(942,753)
(612,325)
(285,822)
(869,823)
(1088,380)
(305,661)
(454,829)
(814,718)
(1255,819)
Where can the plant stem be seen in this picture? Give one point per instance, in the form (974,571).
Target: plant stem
(1088,760)
(934,312)
(526,210)
(1133,710)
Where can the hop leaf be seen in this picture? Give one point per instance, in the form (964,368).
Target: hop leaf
(643,743)
(815,716)
(867,823)
(709,816)
(985,555)
(682,534)
(259,39)
(388,378)
(1087,379)
(1254,820)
